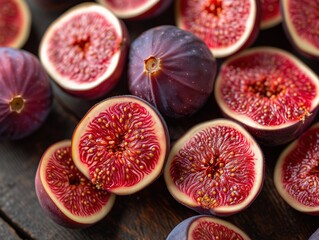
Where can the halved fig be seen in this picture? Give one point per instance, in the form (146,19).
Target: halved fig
(15,23)
(271,15)
(84,50)
(121,144)
(215,168)
(296,172)
(225,26)
(202,227)
(270,91)
(300,21)
(172,69)
(136,9)
(65,194)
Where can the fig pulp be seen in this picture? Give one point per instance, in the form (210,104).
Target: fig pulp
(136,9)
(84,50)
(270,91)
(296,172)
(25,94)
(216,168)
(271,15)
(226,27)
(15,19)
(121,144)
(65,194)
(172,69)
(202,227)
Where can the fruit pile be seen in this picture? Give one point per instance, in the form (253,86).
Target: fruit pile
(266,96)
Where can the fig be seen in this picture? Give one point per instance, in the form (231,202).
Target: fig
(215,168)
(206,227)
(296,172)
(15,19)
(300,21)
(226,27)
(271,15)
(84,50)
(270,91)
(25,94)
(121,144)
(315,235)
(136,9)
(172,69)
(65,194)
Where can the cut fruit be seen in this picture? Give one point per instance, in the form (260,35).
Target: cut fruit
(226,27)
(136,9)
(121,144)
(296,172)
(216,168)
(270,91)
(65,194)
(15,23)
(271,15)
(300,20)
(84,50)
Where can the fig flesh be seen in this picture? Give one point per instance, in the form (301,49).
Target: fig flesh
(206,227)
(271,15)
(121,144)
(296,172)
(300,21)
(215,168)
(172,69)
(136,9)
(65,194)
(226,27)
(270,91)
(25,94)
(15,18)
(84,50)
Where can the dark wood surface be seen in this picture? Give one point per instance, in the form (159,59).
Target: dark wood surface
(151,213)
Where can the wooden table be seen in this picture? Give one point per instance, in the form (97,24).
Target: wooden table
(151,213)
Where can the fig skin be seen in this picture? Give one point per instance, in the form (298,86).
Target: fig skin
(134,14)
(121,186)
(315,235)
(25,94)
(51,208)
(172,69)
(182,231)
(108,79)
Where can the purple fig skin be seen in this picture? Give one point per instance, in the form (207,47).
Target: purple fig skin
(181,230)
(315,235)
(22,77)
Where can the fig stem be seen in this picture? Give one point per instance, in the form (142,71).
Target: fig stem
(17,104)
(152,64)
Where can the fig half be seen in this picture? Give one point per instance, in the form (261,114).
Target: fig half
(202,227)
(84,50)
(226,27)
(300,21)
(65,194)
(271,15)
(215,168)
(15,19)
(121,144)
(296,172)
(270,91)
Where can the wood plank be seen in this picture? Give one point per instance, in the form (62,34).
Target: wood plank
(7,232)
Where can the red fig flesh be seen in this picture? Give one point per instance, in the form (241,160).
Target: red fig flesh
(271,15)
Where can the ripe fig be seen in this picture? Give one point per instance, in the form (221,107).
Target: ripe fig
(65,194)
(296,172)
(300,21)
(25,94)
(136,9)
(172,69)
(84,50)
(206,227)
(15,19)
(271,15)
(226,27)
(121,144)
(315,235)
(215,168)
(270,91)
